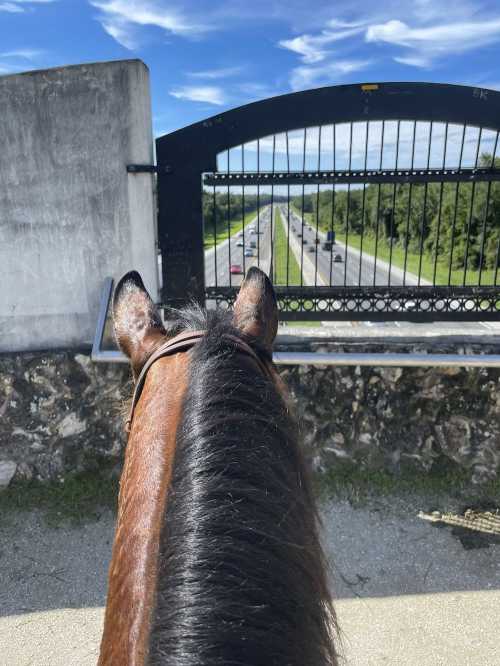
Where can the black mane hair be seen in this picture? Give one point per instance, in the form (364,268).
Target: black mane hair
(242,577)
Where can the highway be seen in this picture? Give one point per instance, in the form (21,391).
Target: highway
(231,252)
(337,273)
(347,271)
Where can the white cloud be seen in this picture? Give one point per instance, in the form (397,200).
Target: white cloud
(414,61)
(123,33)
(208,94)
(120,17)
(27,54)
(307,77)
(312,49)
(18,60)
(15,6)
(221,73)
(10,7)
(431,42)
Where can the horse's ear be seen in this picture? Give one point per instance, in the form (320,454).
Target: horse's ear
(136,320)
(255,309)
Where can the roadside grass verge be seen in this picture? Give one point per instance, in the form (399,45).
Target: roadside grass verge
(360,487)
(80,498)
(286,265)
(224,230)
(412,258)
(286,268)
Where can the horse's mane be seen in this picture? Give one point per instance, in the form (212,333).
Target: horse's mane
(241,572)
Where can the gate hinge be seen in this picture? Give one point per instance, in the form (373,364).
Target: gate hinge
(148,168)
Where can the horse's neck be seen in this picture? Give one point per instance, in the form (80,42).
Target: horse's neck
(143,491)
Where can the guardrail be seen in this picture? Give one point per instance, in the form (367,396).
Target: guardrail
(100,355)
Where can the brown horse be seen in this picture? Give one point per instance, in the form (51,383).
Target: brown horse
(216,558)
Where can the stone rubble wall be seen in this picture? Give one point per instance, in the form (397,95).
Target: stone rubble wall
(60,413)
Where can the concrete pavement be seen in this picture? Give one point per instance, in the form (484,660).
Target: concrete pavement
(407,593)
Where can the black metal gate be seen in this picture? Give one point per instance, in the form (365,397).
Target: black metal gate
(375,201)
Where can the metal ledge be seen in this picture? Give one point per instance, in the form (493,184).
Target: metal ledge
(457,175)
(99,355)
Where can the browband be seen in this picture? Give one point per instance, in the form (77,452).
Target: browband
(183,342)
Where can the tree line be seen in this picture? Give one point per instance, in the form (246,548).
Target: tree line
(458,221)
(227,207)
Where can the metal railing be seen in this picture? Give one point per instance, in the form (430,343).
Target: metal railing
(100,355)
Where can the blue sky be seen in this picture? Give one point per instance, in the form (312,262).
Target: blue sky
(206,57)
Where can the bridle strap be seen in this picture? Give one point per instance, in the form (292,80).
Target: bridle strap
(180,343)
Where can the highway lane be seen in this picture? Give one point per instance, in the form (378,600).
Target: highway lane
(348,270)
(219,259)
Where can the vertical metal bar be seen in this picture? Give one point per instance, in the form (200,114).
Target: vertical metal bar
(363,208)
(393,215)
(471,210)
(424,209)
(317,213)
(346,252)
(273,267)
(243,208)
(456,209)
(333,202)
(493,157)
(410,192)
(214,214)
(483,235)
(258,205)
(288,213)
(496,265)
(494,151)
(303,202)
(436,249)
(378,207)
(229,225)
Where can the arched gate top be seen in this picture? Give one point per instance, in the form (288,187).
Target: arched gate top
(197,145)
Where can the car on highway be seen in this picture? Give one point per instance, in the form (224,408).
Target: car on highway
(299,235)
(239,243)
(235,269)
(312,248)
(253,244)
(337,258)
(304,241)
(248,252)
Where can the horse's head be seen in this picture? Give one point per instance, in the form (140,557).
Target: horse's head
(217,529)
(140,332)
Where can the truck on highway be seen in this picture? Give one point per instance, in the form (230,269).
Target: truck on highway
(330,240)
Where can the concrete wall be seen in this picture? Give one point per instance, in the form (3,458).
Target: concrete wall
(70,215)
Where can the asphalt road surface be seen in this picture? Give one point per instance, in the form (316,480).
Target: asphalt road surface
(231,252)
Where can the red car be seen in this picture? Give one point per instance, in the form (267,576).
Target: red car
(235,269)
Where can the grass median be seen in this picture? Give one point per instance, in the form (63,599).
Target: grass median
(286,269)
